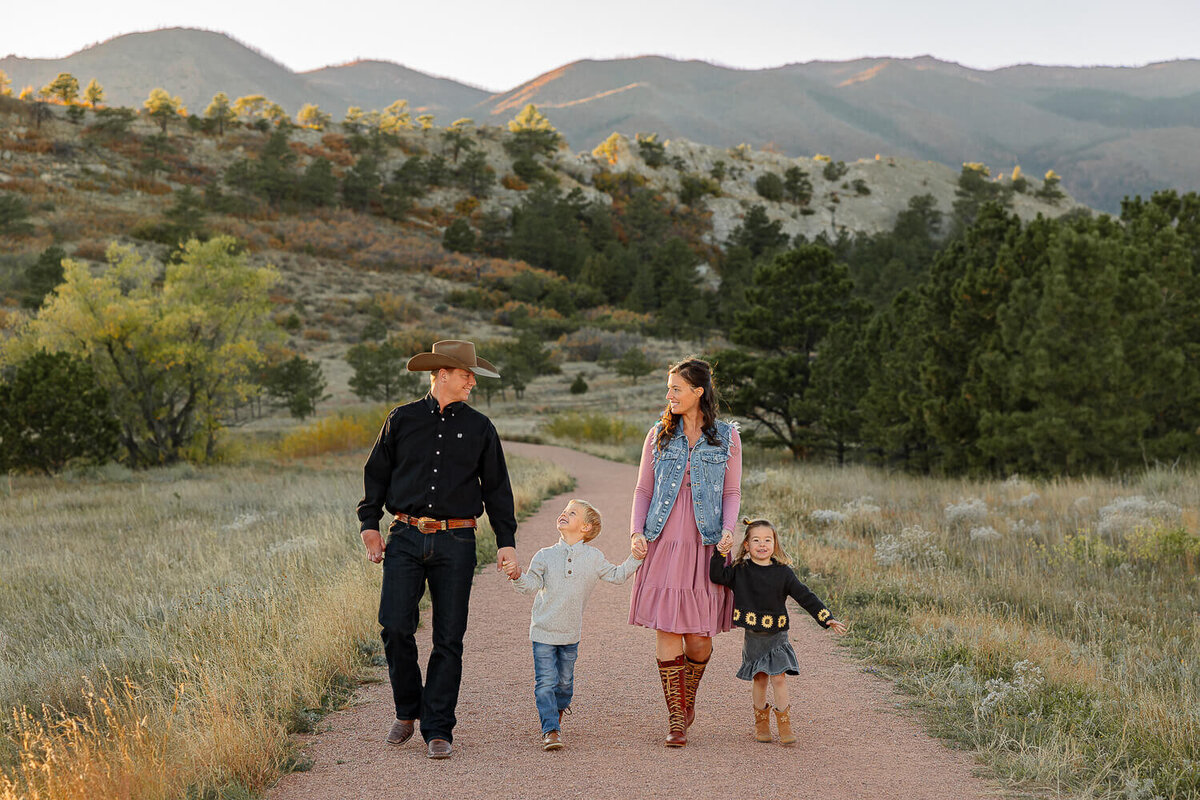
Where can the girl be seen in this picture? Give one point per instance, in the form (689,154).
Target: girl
(762,581)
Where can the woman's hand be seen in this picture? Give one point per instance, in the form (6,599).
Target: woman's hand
(726,543)
(637,544)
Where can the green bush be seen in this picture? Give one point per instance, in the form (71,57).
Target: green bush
(769,187)
(592,427)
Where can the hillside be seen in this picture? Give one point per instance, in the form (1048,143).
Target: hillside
(84,189)
(1108,131)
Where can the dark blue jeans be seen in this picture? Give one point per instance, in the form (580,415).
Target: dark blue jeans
(553,680)
(446,560)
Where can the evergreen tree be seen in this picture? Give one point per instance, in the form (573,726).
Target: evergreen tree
(65,88)
(380,371)
(94,93)
(633,364)
(361,184)
(42,276)
(55,413)
(318,185)
(793,302)
(162,108)
(458,237)
(220,112)
(296,384)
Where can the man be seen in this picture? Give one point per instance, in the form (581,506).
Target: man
(436,464)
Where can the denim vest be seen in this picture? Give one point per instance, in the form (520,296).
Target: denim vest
(708,481)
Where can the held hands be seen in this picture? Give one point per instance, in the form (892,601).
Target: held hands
(638,547)
(506,562)
(374,544)
(726,543)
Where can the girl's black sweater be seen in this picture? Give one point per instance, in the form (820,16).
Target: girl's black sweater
(760,594)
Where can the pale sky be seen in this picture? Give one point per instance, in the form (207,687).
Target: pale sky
(498,44)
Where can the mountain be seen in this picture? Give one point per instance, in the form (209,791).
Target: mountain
(192,64)
(377,84)
(1108,131)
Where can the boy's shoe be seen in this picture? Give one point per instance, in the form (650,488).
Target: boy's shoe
(552,741)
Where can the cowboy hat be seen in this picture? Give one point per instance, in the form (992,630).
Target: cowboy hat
(452,354)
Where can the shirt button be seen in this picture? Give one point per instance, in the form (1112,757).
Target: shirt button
(437,452)
(435,469)
(568,561)
(439,436)
(568,572)
(432,487)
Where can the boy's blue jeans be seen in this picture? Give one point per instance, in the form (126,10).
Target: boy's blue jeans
(553,680)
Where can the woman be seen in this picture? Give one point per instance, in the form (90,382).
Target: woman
(687,500)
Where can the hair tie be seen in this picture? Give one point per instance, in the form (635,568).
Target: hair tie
(745,520)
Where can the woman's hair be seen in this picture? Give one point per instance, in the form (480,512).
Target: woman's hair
(590,517)
(697,373)
(779,555)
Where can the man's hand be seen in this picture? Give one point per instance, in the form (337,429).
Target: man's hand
(507,554)
(374,544)
(511,568)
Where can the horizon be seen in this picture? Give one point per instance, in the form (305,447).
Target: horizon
(507,47)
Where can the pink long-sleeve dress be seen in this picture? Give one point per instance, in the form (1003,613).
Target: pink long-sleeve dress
(672,592)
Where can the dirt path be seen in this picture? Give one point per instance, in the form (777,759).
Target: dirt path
(854,744)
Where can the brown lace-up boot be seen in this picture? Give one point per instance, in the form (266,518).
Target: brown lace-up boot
(783,718)
(671,673)
(692,676)
(762,723)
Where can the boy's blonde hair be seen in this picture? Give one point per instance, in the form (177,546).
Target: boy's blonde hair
(590,517)
(779,555)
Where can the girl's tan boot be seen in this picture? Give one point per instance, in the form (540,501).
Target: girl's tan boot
(783,718)
(762,723)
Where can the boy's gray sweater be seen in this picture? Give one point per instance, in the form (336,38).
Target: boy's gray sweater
(563,576)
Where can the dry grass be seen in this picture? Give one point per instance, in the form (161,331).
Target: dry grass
(1056,633)
(164,633)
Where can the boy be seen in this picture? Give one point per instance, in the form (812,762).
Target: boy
(563,576)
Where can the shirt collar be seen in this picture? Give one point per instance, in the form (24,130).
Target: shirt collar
(432,404)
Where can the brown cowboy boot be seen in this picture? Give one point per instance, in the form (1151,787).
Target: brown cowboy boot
(762,723)
(784,719)
(671,673)
(692,676)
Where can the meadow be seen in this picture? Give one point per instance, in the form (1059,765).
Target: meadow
(1051,626)
(163,633)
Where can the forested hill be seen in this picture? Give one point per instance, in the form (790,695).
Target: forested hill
(1109,132)
(882,309)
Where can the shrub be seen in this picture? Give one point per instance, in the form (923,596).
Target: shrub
(860,187)
(770,187)
(592,427)
(696,187)
(834,170)
(514,183)
(579,385)
(651,149)
(335,434)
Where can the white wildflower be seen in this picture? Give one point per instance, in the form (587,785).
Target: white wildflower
(862,505)
(967,511)
(913,545)
(985,533)
(1028,500)
(824,516)
(1026,528)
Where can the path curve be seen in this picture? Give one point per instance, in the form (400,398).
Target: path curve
(854,743)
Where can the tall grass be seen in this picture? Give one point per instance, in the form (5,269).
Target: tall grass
(164,634)
(1054,626)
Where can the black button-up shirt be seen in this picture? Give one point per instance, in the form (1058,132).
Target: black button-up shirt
(441,463)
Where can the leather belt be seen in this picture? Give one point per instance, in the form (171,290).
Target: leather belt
(431,525)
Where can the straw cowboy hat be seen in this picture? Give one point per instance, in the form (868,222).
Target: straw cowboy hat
(452,354)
